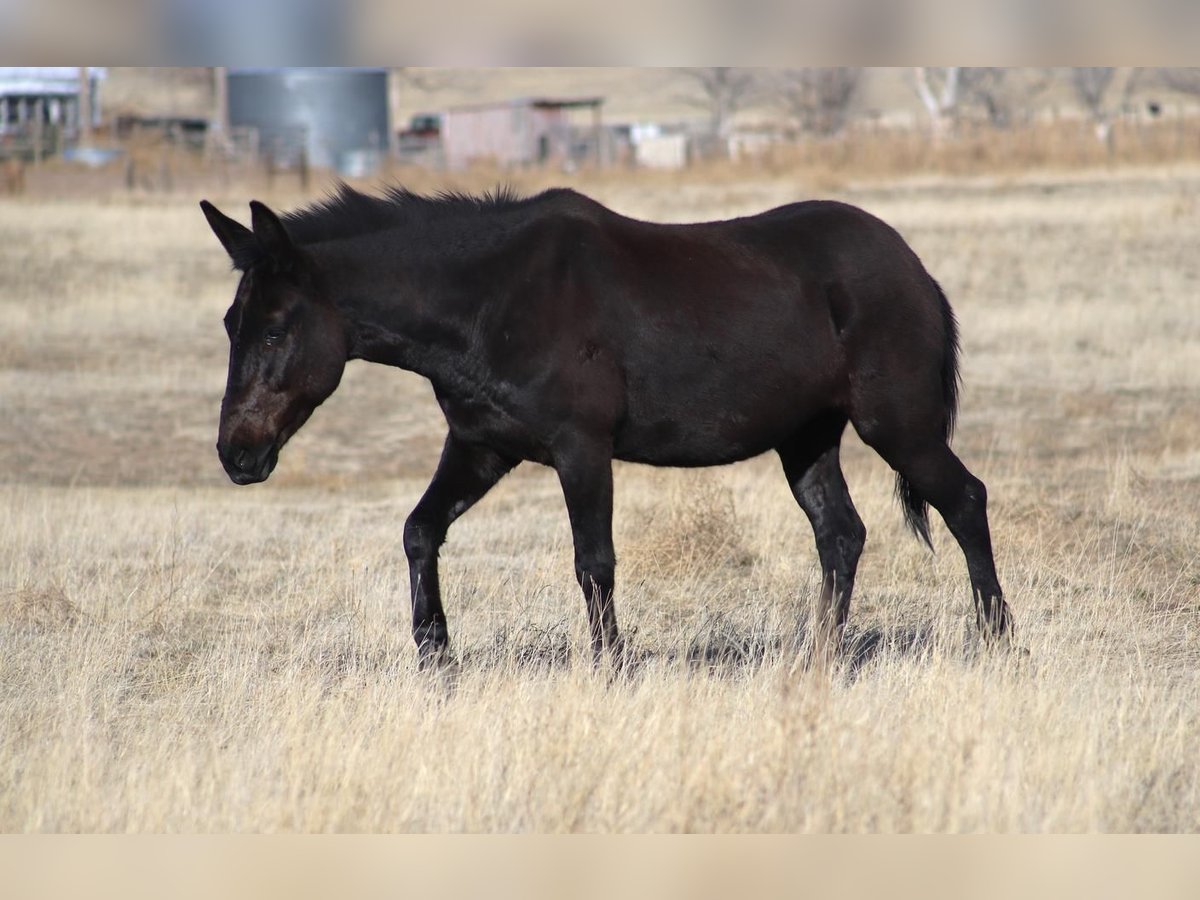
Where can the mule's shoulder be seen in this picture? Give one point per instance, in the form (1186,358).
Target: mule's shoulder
(557,228)
(570,204)
(566,220)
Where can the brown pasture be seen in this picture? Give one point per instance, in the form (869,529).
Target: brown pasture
(179,654)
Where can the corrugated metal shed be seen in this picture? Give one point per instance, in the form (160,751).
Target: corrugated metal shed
(337,116)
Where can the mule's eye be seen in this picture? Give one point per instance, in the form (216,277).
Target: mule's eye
(273,336)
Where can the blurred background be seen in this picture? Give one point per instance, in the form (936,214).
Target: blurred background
(78,130)
(183,655)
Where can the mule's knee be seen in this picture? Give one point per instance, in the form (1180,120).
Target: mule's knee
(596,573)
(852,541)
(422,540)
(841,546)
(975,494)
(965,509)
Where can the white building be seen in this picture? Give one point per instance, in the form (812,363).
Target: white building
(51,94)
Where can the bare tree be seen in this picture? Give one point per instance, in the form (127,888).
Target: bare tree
(1091,84)
(986,86)
(938,88)
(1182,80)
(817,98)
(724,91)
(999,91)
(1003,94)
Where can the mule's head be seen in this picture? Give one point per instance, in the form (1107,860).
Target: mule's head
(287,343)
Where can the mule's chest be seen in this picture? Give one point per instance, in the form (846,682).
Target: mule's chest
(493,422)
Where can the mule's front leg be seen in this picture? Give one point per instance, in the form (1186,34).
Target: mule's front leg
(585,472)
(465,473)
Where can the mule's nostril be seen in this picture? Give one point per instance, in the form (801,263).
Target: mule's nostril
(241,458)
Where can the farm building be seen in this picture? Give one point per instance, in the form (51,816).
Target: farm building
(527,131)
(176,102)
(53,96)
(332,117)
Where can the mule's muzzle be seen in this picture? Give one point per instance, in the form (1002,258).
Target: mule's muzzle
(248,465)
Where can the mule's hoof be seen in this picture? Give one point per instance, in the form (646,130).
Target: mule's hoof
(1021,657)
(624,660)
(1005,652)
(434,657)
(441,671)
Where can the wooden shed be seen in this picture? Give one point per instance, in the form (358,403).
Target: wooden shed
(522,132)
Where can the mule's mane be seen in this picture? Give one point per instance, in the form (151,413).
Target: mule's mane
(348,213)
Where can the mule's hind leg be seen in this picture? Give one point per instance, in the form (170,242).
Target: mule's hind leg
(585,473)
(936,475)
(812,464)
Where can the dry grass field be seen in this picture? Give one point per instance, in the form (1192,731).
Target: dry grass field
(180,654)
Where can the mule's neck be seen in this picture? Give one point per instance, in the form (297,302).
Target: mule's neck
(415,294)
(412,303)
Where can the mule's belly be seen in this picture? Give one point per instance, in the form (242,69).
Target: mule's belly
(728,371)
(667,443)
(714,421)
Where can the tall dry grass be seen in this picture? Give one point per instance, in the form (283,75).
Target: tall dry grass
(153,170)
(868,151)
(180,654)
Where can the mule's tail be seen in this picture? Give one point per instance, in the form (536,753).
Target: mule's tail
(916,509)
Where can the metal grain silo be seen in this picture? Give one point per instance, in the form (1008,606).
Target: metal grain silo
(338,115)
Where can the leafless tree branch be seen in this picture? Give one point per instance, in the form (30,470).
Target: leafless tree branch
(1182,80)
(723,91)
(1091,84)
(937,86)
(818,99)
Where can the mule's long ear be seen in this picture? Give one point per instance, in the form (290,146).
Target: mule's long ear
(271,235)
(238,240)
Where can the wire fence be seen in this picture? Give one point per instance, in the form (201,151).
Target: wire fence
(165,158)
